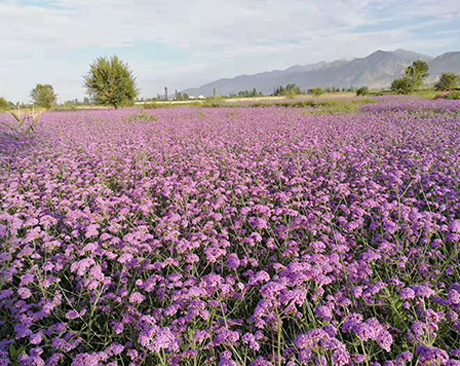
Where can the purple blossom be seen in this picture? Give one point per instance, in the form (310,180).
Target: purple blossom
(136,298)
(454,226)
(210,232)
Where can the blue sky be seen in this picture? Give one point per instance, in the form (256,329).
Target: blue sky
(185,43)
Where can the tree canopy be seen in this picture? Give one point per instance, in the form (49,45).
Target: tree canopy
(415,75)
(364,90)
(43,96)
(110,81)
(4,105)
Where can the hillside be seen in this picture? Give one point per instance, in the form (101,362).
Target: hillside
(376,71)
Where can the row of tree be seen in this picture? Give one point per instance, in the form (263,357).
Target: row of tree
(110,81)
(245,94)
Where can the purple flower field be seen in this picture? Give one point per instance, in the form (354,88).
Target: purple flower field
(233,236)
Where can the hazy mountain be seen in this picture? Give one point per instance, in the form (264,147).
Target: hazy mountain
(447,62)
(376,71)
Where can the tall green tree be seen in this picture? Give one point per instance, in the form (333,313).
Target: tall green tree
(417,73)
(43,96)
(447,81)
(110,81)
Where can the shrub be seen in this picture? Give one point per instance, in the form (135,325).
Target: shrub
(111,82)
(447,81)
(454,94)
(362,91)
(317,92)
(401,86)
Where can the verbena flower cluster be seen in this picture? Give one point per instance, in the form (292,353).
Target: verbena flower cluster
(233,237)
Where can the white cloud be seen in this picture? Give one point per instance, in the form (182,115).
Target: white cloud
(54,41)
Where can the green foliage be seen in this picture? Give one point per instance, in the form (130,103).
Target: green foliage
(290,90)
(311,105)
(429,93)
(401,86)
(4,105)
(247,93)
(43,96)
(448,81)
(317,92)
(363,91)
(454,94)
(111,82)
(15,353)
(417,73)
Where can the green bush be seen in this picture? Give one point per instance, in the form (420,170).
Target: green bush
(447,81)
(317,92)
(454,94)
(362,91)
(401,86)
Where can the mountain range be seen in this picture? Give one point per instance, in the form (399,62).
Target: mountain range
(375,71)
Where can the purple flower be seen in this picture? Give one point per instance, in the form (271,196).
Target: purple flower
(454,297)
(430,356)
(156,339)
(341,357)
(324,312)
(233,262)
(454,226)
(136,298)
(407,294)
(86,359)
(226,337)
(24,293)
